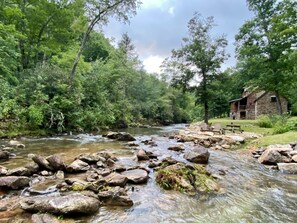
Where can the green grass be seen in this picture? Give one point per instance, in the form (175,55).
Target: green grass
(246,125)
(284,138)
(293,118)
(268,137)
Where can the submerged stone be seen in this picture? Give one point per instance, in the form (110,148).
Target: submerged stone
(75,203)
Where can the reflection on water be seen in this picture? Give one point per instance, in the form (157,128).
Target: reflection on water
(252,193)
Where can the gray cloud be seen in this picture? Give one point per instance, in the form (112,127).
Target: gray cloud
(155,31)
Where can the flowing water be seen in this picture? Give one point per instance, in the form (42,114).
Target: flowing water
(250,191)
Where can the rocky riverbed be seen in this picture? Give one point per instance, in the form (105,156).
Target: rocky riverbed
(125,178)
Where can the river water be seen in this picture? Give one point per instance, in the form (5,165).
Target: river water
(250,192)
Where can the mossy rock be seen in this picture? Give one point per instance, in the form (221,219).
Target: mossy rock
(186,178)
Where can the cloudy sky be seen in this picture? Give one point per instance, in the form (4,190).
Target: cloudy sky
(160,25)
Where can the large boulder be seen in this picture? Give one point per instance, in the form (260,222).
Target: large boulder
(116,197)
(198,154)
(116,179)
(56,162)
(42,162)
(288,167)
(20,171)
(125,137)
(270,157)
(4,155)
(14,182)
(120,136)
(136,176)
(186,178)
(75,203)
(78,166)
(276,154)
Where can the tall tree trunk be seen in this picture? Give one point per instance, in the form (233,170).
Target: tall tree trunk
(82,45)
(278,103)
(206,111)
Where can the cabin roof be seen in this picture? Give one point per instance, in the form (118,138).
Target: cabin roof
(234,100)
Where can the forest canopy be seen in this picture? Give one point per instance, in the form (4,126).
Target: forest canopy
(58,73)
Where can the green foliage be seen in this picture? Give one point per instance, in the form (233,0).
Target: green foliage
(266,45)
(9,54)
(39,42)
(200,58)
(264,121)
(35,116)
(279,123)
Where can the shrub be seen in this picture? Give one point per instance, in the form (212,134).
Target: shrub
(265,122)
(279,123)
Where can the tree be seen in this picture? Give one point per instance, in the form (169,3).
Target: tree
(99,11)
(199,60)
(43,27)
(128,49)
(265,43)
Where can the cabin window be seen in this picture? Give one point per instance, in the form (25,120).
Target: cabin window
(273,99)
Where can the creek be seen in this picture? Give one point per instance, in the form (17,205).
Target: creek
(250,191)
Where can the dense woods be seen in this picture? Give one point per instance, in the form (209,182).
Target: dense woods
(59,73)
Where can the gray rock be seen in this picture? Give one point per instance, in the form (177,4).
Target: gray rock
(91,158)
(272,156)
(91,175)
(126,137)
(198,154)
(32,167)
(288,167)
(14,182)
(78,166)
(294,158)
(237,138)
(75,203)
(100,164)
(116,197)
(45,173)
(154,164)
(60,175)
(136,176)
(141,155)
(42,162)
(4,155)
(16,144)
(120,136)
(56,162)
(21,171)
(177,148)
(9,149)
(110,162)
(115,179)
(169,161)
(3,170)
(44,218)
